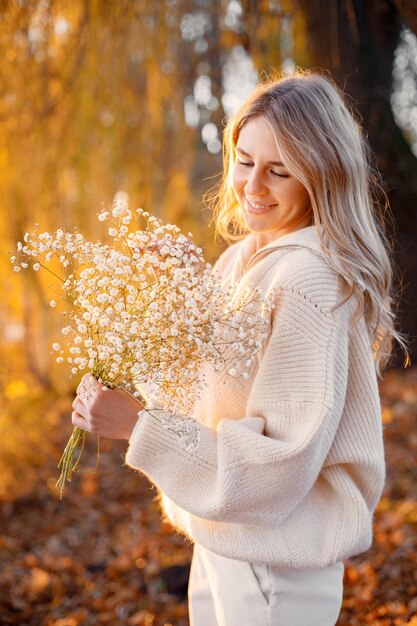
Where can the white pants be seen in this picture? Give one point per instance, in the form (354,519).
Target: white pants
(226,592)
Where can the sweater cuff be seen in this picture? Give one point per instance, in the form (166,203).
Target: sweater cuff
(158,431)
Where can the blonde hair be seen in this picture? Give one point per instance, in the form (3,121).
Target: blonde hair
(322,144)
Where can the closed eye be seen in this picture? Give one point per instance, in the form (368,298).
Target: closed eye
(279,175)
(249,164)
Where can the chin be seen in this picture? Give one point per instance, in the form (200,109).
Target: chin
(259,225)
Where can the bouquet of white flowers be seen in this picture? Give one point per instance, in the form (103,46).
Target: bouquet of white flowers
(144,309)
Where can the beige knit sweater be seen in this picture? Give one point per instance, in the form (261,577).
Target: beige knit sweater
(289,465)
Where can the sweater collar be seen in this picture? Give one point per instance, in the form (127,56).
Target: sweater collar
(248,254)
(307,237)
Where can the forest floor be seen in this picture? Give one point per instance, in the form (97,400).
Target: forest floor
(102,555)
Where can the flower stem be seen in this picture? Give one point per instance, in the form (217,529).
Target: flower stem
(67,465)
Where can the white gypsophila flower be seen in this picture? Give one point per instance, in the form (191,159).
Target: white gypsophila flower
(147,310)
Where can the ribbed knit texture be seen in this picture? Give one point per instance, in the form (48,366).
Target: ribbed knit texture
(289,465)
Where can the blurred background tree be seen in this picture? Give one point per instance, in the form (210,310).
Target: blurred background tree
(370,49)
(99,98)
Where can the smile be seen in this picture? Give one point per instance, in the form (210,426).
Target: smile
(258,209)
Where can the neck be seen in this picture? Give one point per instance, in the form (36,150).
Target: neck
(263,239)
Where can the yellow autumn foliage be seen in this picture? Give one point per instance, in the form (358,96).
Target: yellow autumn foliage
(92,103)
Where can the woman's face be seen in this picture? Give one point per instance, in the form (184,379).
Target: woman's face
(274,202)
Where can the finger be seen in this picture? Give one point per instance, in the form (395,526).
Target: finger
(88,380)
(85,396)
(79,406)
(95,386)
(78,420)
(80,397)
(80,389)
(88,388)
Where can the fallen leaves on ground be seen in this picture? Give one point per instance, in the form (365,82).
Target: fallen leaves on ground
(103,555)
(381,585)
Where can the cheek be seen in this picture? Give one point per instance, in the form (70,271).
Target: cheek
(238,181)
(299,195)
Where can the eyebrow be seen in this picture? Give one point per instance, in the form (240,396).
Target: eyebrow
(279,163)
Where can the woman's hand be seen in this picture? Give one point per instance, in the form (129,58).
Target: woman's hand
(111,413)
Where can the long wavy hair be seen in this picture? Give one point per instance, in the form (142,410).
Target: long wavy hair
(322,144)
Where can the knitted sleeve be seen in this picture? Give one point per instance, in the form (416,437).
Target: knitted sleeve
(257,469)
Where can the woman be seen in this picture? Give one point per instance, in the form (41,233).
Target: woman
(289,465)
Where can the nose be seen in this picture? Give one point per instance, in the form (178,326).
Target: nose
(255,185)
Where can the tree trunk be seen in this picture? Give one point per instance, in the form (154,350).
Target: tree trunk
(356,41)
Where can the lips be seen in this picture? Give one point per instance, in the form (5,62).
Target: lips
(257,208)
